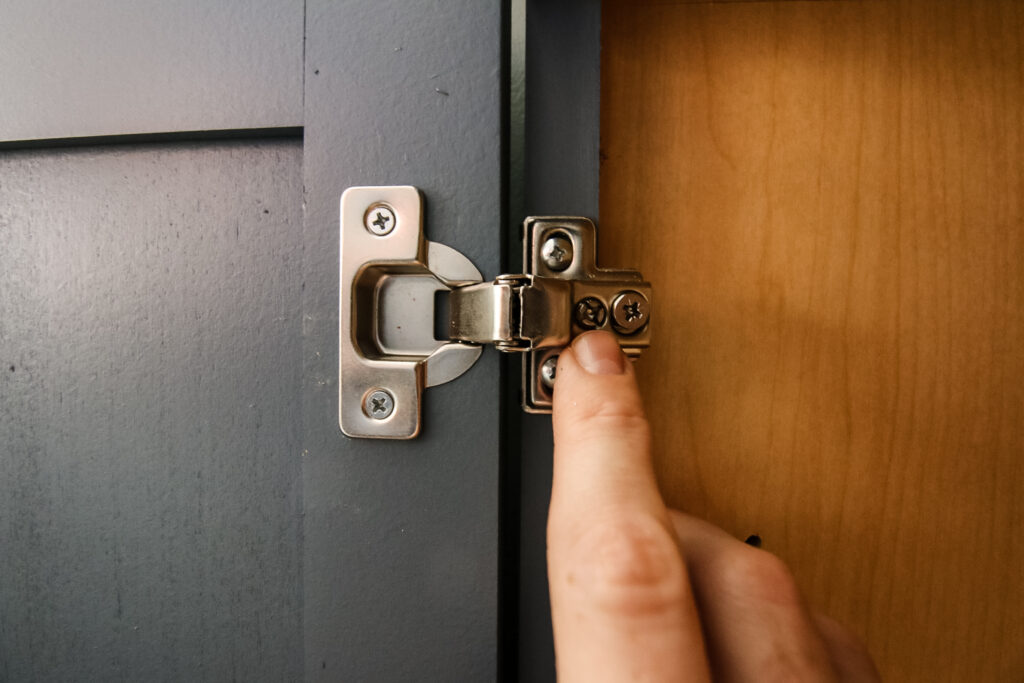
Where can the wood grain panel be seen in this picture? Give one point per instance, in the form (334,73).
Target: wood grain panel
(828,199)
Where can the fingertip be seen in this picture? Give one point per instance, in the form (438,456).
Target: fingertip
(599,353)
(594,375)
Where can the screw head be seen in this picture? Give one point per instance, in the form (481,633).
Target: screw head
(630,312)
(547,372)
(590,313)
(379,404)
(557,252)
(379,220)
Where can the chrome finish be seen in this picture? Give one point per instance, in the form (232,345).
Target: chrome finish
(591,314)
(379,404)
(630,312)
(386,311)
(390,275)
(379,220)
(485,313)
(535,381)
(557,252)
(548,370)
(515,312)
(586,281)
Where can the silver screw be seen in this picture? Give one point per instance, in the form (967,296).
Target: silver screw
(591,313)
(379,404)
(630,311)
(547,372)
(557,252)
(379,219)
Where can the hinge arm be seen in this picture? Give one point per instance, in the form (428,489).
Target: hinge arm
(514,312)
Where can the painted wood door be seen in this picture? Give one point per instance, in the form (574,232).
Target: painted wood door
(827,197)
(177,501)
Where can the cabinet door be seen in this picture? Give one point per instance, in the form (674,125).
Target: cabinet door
(177,501)
(827,198)
(400,560)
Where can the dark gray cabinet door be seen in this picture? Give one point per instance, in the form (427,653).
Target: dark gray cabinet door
(149,474)
(112,67)
(400,558)
(177,501)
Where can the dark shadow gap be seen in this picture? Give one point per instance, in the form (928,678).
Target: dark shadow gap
(142,138)
(509,513)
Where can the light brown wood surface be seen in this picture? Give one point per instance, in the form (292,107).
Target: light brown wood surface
(829,200)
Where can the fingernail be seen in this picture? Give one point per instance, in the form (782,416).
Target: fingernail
(599,353)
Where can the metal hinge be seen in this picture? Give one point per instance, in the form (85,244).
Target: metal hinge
(390,277)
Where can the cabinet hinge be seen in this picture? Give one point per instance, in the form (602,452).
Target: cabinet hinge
(390,280)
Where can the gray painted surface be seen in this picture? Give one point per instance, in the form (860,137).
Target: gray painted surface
(150,461)
(563,107)
(563,89)
(401,538)
(116,67)
(170,315)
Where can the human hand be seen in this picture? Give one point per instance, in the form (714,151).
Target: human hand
(639,592)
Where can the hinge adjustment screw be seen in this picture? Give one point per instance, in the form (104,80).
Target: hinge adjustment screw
(591,313)
(630,312)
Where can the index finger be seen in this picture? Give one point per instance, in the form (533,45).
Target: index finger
(622,606)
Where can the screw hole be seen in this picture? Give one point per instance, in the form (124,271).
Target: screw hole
(442,315)
(753,540)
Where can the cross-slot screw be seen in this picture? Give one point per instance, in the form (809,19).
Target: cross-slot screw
(547,372)
(591,313)
(379,404)
(379,219)
(630,312)
(557,252)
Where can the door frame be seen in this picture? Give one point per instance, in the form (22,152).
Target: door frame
(561,168)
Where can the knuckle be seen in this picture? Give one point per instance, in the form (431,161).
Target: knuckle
(617,406)
(629,567)
(611,417)
(783,667)
(849,645)
(749,573)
